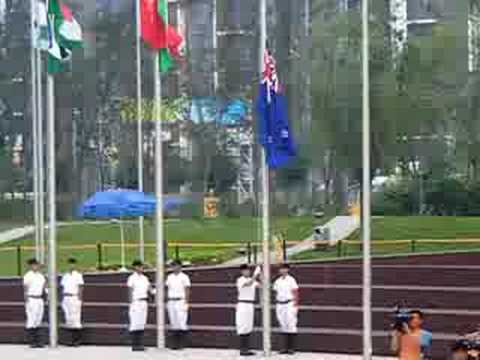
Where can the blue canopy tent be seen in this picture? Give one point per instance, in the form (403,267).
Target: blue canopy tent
(124,203)
(118,205)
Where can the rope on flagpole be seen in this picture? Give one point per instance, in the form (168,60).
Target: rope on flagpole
(139,126)
(34,105)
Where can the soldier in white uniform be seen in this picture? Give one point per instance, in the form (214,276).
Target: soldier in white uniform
(287,300)
(245,311)
(34,291)
(178,300)
(139,288)
(72,286)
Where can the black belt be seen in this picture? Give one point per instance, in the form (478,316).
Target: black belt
(35,296)
(142,299)
(246,301)
(176,299)
(284,302)
(69,295)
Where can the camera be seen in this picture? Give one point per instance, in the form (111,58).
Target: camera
(401,317)
(468,345)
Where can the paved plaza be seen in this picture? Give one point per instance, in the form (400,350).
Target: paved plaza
(124,353)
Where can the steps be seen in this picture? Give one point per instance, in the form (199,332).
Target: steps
(330,319)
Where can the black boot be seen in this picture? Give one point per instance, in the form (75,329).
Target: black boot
(175,345)
(37,339)
(291,343)
(285,343)
(245,345)
(182,339)
(140,342)
(30,337)
(77,337)
(69,337)
(134,337)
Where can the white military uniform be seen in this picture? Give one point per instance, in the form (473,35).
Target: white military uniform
(71,303)
(177,306)
(138,309)
(34,283)
(245,310)
(287,312)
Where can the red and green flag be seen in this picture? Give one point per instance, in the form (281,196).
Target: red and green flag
(159,34)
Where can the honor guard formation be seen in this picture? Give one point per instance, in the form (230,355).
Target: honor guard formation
(178,294)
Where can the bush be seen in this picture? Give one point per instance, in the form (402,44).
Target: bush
(448,196)
(396,199)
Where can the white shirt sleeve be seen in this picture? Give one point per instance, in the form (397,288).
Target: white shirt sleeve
(130,281)
(293,283)
(240,282)
(168,281)
(275,286)
(80,280)
(26,280)
(62,283)
(186,281)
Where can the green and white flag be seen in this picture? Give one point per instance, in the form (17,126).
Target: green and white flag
(65,34)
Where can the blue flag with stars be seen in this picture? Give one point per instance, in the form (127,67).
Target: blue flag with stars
(273,127)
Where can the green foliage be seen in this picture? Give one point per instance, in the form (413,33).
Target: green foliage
(449,196)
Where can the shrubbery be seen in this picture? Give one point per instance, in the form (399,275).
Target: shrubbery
(448,196)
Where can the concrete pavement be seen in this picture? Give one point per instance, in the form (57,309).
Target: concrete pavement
(124,353)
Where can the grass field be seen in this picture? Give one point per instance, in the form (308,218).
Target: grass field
(454,229)
(234,232)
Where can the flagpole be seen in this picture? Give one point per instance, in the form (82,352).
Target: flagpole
(266,296)
(367,296)
(52,212)
(160,252)
(52,240)
(41,174)
(139,124)
(34,99)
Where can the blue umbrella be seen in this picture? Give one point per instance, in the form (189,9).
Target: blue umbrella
(172,202)
(122,203)
(118,204)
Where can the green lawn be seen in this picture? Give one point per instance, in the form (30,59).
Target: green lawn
(424,227)
(455,229)
(215,233)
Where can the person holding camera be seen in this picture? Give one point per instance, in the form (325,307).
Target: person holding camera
(410,341)
(460,350)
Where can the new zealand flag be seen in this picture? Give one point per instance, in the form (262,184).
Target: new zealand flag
(273,128)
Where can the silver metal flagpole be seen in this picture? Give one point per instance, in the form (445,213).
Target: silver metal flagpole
(52,221)
(41,173)
(33,63)
(52,212)
(139,126)
(160,280)
(367,296)
(266,296)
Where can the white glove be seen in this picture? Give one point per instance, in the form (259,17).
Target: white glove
(257,272)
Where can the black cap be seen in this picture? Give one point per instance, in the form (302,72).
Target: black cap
(176,263)
(33,261)
(72,260)
(244,267)
(462,344)
(137,263)
(285,266)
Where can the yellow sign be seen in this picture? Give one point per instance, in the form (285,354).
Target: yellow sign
(278,245)
(210,207)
